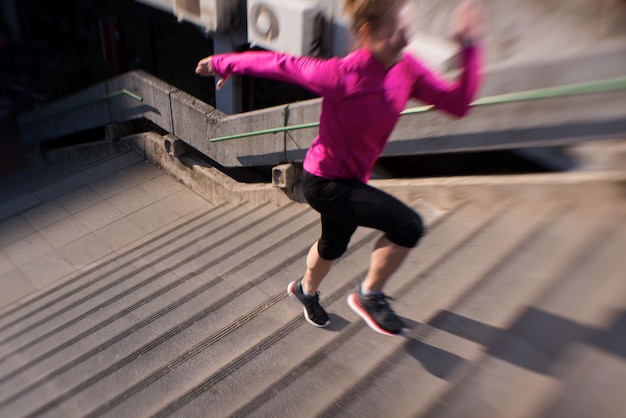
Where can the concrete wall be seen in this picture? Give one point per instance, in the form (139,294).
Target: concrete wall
(538,123)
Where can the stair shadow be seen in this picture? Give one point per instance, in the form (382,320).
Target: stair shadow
(438,362)
(337,323)
(537,340)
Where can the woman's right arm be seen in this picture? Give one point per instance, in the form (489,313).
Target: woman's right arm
(321,76)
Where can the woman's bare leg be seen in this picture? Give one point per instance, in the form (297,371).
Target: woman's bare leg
(386,258)
(316,269)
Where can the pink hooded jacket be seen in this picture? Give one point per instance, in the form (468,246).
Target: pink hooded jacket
(361,101)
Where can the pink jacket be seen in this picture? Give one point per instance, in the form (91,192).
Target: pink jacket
(361,100)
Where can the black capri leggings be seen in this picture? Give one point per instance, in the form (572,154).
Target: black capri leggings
(346,204)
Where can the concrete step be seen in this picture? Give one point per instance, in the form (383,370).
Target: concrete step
(261,361)
(194,320)
(220,308)
(216,350)
(450,342)
(107,276)
(274,220)
(279,354)
(540,363)
(99,213)
(348,361)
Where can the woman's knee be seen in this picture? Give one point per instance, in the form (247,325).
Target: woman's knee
(408,234)
(331,250)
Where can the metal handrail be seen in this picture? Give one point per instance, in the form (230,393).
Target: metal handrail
(610,84)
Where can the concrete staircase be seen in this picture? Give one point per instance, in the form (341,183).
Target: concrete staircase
(515,298)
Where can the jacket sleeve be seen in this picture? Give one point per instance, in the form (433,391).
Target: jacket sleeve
(454,98)
(320,76)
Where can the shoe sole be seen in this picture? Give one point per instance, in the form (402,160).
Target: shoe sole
(293,296)
(355,305)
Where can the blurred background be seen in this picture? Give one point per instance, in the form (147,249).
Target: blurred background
(143,268)
(49,50)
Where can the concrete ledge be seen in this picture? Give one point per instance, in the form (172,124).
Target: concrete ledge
(194,121)
(266,149)
(443,193)
(205,180)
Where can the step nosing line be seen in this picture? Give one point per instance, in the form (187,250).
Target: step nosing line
(330,299)
(146,299)
(132,289)
(187,355)
(119,337)
(117,366)
(138,352)
(581,255)
(108,274)
(155,316)
(351,394)
(303,367)
(108,262)
(108,321)
(169,334)
(224,372)
(201,315)
(258,237)
(254,351)
(263,253)
(266,343)
(135,272)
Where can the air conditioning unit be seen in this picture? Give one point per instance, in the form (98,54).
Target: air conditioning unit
(293,26)
(212,15)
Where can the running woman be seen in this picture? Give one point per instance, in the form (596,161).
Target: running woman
(363,95)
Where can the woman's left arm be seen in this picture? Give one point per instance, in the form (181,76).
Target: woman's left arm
(455,98)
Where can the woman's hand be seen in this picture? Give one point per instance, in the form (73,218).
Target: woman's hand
(205,69)
(468,22)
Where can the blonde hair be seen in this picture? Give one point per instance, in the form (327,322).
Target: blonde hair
(371,12)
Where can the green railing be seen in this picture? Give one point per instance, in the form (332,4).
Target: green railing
(607,85)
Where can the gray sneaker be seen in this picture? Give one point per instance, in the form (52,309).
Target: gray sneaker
(377,313)
(313,311)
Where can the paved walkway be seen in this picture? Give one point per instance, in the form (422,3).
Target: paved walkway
(80,218)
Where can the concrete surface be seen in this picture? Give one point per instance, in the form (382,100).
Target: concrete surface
(125,293)
(150,284)
(64,226)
